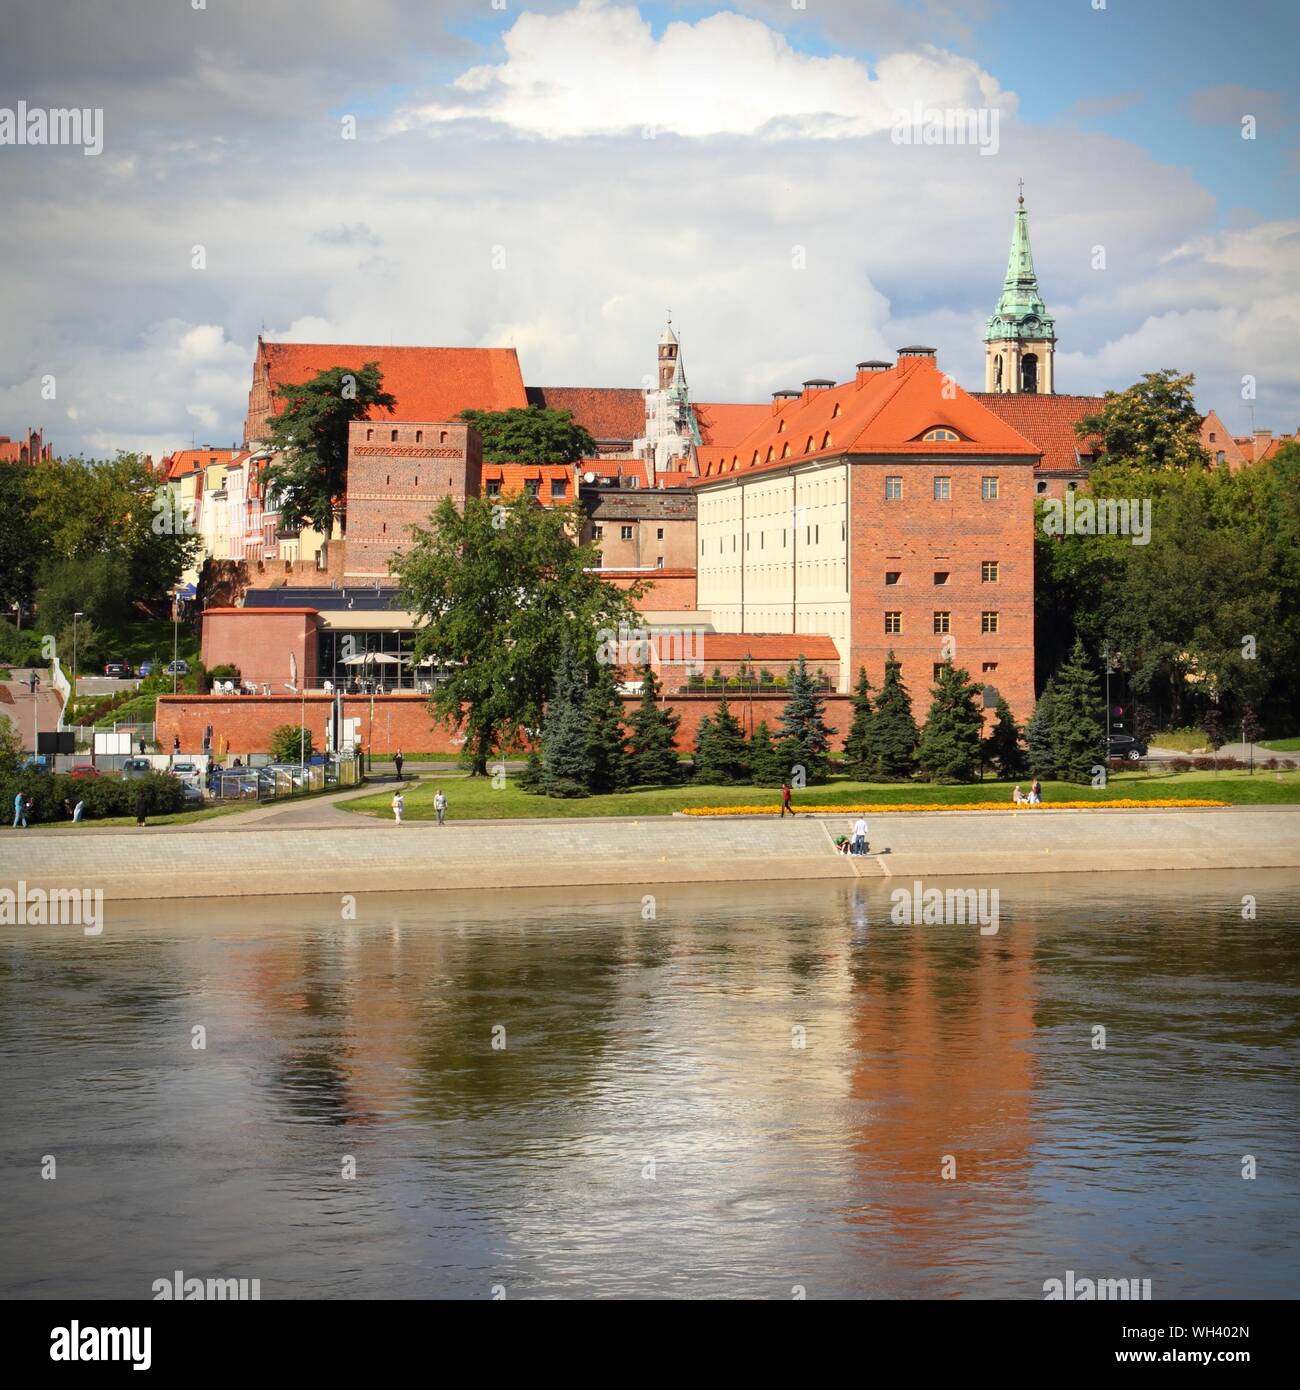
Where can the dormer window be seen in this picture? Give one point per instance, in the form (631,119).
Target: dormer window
(808,448)
(826,440)
(837,412)
(780,429)
(941,436)
(785,450)
(771,454)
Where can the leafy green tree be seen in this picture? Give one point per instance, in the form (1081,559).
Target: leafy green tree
(11,750)
(1077,731)
(530,435)
(950,744)
(1154,423)
(804,737)
(499,589)
(20,545)
(1002,747)
(767,768)
(720,754)
(309,475)
(291,743)
(564,729)
(1038,735)
(608,769)
(893,738)
(654,761)
(857,743)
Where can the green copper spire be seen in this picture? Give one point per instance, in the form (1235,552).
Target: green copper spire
(1020,312)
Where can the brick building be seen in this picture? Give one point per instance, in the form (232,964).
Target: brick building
(29,448)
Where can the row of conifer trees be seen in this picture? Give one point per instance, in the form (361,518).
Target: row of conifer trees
(586,749)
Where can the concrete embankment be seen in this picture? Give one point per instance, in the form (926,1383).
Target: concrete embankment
(502,855)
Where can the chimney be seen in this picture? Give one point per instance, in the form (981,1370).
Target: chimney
(1263,438)
(908,356)
(815,384)
(866,370)
(780,399)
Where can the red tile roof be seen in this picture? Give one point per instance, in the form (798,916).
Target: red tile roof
(779,646)
(613,469)
(606,412)
(721,425)
(1048,422)
(513,476)
(880,412)
(186,461)
(623,572)
(430,383)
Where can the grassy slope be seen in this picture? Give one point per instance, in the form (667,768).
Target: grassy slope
(1283,745)
(478,799)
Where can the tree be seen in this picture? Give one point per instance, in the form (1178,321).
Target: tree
(1077,732)
(720,754)
(766,766)
(1144,724)
(606,751)
(499,589)
(530,435)
(951,742)
(19,547)
(1250,725)
(564,729)
(1038,735)
(654,761)
(11,748)
(1002,747)
(1213,726)
(893,738)
(291,743)
(1154,423)
(804,737)
(857,743)
(309,475)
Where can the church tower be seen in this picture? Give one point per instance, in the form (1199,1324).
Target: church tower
(1020,337)
(671,430)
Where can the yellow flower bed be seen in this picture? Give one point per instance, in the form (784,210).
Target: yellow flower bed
(876,809)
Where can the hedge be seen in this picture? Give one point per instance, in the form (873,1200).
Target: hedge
(104,796)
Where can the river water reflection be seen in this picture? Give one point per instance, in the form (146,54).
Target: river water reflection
(754,1091)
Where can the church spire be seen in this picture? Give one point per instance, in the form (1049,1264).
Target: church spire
(1020,335)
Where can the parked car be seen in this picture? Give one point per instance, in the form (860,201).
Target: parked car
(136,767)
(187,772)
(81,770)
(180,667)
(146,668)
(193,794)
(296,774)
(1125,746)
(121,669)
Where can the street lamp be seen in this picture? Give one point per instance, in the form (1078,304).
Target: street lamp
(75,616)
(176,613)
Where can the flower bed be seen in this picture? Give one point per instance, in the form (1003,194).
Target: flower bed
(876,809)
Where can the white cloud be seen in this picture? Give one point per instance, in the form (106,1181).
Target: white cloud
(598,69)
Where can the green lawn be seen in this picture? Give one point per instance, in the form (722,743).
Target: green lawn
(1283,745)
(477,799)
(1180,740)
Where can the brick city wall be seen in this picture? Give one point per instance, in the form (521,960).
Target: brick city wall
(397,474)
(916,537)
(243,724)
(665,592)
(259,642)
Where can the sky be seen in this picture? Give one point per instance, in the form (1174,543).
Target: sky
(556,175)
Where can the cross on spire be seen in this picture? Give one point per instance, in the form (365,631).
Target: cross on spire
(1021,199)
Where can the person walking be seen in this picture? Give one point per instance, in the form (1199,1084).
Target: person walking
(860,835)
(785,800)
(141,806)
(77,811)
(397,762)
(399,805)
(1036,793)
(22,805)
(440,805)
(176,745)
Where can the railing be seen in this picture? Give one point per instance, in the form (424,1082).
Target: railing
(280,780)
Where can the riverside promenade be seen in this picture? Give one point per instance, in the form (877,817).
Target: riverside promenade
(316,848)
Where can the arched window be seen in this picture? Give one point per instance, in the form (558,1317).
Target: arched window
(941,436)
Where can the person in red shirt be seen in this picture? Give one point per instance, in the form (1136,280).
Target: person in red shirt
(785,800)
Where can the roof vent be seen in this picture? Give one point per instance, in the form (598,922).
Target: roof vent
(818,383)
(915,351)
(874,364)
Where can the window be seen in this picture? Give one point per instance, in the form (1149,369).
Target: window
(370,434)
(1212,437)
(532,486)
(393,437)
(1220,456)
(558,486)
(419,436)
(988,571)
(989,667)
(1042,487)
(625,533)
(659,562)
(989,489)
(600,533)
(660,534)
(494,490)
(942,489)
(942,621)
(893,622)
(937,670)
(941,576)
(893,576)
(940,436)
(893,489)
(988,621)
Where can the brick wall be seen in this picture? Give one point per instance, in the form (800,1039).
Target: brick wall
(666,592)
(916,537)
(397,474)
(259,642)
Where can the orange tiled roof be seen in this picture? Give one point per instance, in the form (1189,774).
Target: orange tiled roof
(729,646)
(1048,422)
(186,461)
(879,412)
(430,383)
(606,412)
(614,468)
(514,476)
(721,425)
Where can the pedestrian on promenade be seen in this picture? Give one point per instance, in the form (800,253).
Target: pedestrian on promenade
(399,805)
(397,762)
(440,805)
(1036,793)
(22,804)
(77,811)
(176,745)
(860,835)
(141,806)
(1017,795)
(785,800)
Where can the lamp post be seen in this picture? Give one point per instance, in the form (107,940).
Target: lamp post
(749,681)
(1105,652)
(75,616)
(176,613)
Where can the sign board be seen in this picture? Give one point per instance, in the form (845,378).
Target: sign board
(112,744)
(53,742)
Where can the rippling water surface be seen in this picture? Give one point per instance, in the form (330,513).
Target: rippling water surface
(754,1091)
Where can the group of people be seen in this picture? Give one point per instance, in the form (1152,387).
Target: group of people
(1035,797)
(855,842)
(439,806)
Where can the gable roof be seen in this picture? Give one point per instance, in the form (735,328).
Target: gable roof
(430,383)
(186,461)
(723,424)
(605,412)
(879,412)
(1048,422)
(513,478)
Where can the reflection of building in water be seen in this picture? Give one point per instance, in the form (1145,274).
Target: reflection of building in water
(943,1024)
